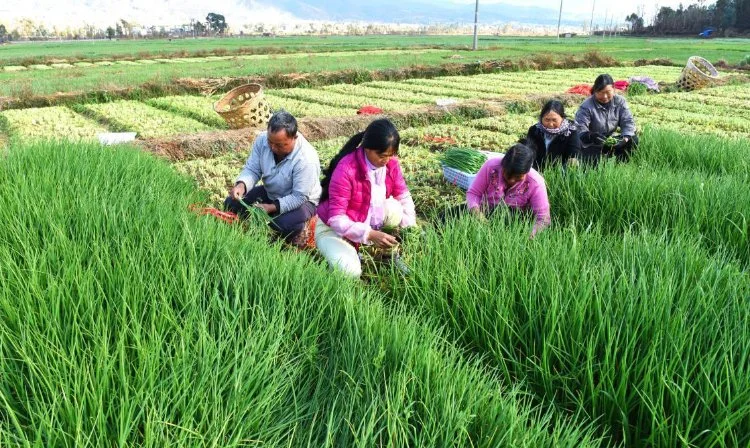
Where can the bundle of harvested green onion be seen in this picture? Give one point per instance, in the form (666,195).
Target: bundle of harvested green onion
(463,159)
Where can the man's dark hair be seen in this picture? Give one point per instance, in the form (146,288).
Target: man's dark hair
(282,119)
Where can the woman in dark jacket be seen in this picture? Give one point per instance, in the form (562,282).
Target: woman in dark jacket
(554,136)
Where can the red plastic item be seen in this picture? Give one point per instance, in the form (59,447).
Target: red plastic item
(306,238)
(369,110)
(585,89)
(227,217)
(580,89)
(621,85)
(310,229)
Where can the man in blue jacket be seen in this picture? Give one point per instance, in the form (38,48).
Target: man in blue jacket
(290,170)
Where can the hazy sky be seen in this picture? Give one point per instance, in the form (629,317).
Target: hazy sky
(107,12)
(163,11)
(621,8)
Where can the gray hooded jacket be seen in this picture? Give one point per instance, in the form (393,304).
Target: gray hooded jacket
(605,119)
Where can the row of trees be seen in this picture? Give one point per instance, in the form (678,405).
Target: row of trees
(727,16)
(125,29)
(215,24)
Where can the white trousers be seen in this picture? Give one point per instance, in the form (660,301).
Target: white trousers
(339,252)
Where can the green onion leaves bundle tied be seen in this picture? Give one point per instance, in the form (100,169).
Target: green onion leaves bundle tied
(464,159)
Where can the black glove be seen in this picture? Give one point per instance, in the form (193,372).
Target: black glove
(592,138)
(622,143)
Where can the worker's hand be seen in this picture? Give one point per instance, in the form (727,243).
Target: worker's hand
(268,208)
(592,138)
(381,239)
(622,143)
(477,211)
(238,191)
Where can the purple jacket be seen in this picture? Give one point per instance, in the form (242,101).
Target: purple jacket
(348,203)
(489,189)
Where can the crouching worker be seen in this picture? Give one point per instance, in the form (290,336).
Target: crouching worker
(508,181)
(599,117)
(363,191)
(554,136)
(290,170)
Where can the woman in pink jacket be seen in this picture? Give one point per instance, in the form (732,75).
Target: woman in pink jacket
(363,190)
(510,181)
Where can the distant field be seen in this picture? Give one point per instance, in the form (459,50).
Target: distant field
(106,49)
(41,79)
(624,48)
(44,82)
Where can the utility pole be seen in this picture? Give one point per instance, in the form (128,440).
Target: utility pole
(476,25)
(558,21)
(591,24)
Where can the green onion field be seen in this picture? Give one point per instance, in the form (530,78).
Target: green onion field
(126,319)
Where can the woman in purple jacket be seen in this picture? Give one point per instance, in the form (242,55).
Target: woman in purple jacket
(363,190)
(511,182)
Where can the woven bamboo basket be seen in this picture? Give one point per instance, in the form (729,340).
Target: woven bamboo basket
(244,106)
(697,74)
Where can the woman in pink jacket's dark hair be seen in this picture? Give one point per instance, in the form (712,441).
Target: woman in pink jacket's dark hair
(380,137)
(364,191)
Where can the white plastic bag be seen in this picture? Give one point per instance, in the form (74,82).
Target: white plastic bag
(442,102)
(113,138)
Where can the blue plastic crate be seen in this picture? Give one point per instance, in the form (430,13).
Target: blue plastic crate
(462,179)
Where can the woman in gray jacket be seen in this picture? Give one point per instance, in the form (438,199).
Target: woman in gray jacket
(599,117)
